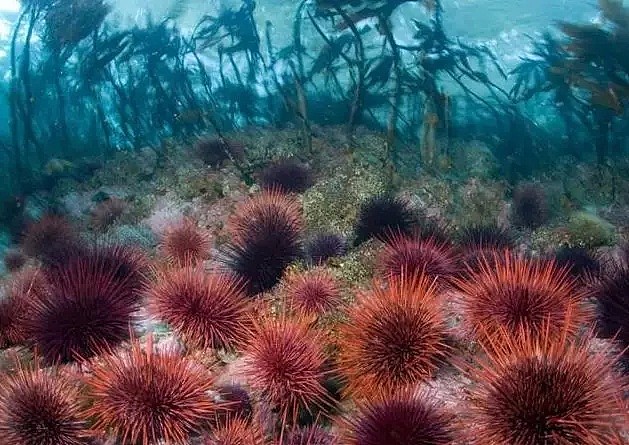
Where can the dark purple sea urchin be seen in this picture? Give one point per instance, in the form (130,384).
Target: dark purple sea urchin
(580,262)
(486,236)
(266,238)
(382,214)
(402,419)
(530,206)
(612,297)
(287,175)
(323,246)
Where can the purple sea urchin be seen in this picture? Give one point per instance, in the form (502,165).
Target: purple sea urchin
(402,419)
(287,175)
(381,215)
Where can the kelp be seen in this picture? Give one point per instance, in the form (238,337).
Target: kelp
(96,89)
(586,71)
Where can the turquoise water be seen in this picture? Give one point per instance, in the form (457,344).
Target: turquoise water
(87,93)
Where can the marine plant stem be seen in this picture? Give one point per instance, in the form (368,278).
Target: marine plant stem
(300,75)
(61,102)
(13,103)
(359,92)
(24,76)
(395,99)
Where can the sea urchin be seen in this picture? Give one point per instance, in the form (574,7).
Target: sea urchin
(40,407)
(88,304)
(382,214)
(266,238)
(285,365)
(206,310)
(402,419)
(184,243)
(394,337)
(546,390)
(312,292)
(287,175)
(145,397)
(406,254)
(516,293)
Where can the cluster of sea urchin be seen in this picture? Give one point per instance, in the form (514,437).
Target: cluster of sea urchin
(272,370)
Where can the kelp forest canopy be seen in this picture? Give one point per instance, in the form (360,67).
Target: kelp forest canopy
(81,88)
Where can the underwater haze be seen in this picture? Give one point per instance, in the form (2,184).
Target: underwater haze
(314,222)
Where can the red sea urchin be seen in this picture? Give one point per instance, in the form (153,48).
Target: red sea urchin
(40,407)
(285,366)
(146,397)
(50,238)
(310,435)
(205,310)
(184,243)
(15,301)
(235,432)
(260,208)
(403,254)
(108,212)
(520,293)
(550,390)
(402,419)
(312,292)
(394,337)
(88,304)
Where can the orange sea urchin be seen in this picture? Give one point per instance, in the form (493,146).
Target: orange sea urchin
(206,310)
(516,292)
(546,390)
(285,365)
(144,397)
(394,336)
